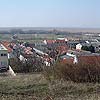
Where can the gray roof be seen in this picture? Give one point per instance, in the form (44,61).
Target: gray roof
(82,53)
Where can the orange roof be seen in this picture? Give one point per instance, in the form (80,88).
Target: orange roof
(50,41)
(7,44)
(62,49)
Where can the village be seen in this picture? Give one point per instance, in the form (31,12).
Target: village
(33,56)
(49,65)
(50,50)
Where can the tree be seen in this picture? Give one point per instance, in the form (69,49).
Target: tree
(86,48)
(89,48)
(92,49)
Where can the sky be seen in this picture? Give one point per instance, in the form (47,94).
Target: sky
(50,13)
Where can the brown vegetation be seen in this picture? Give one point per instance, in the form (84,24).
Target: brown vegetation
(80,72)
(27,66)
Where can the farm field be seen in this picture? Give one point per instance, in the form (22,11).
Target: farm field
(36,87)
(30,37)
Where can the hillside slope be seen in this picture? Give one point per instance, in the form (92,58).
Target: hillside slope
(35,87)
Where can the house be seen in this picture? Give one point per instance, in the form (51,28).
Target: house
(67,59)
(78,46)
(77,53)
(58,40)
(59,45)
(49,41)
(82,56)
(65,39)
(62,49)
(3,58)
(96,45)
(9,47)
(70,58)
(28,51)
(72,44)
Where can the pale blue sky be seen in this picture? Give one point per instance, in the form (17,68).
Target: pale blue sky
(50,13)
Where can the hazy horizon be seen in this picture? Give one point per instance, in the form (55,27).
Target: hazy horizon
(73,30)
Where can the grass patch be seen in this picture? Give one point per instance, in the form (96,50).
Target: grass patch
(31,86)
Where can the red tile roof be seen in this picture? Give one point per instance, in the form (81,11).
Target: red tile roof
(7,44)
(62,49)
(50,41)
(28,50)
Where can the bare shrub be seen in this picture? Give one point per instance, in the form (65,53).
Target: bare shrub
(80,72)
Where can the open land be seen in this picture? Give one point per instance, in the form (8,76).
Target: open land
(36,87)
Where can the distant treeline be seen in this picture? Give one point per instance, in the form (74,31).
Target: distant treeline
(20,31)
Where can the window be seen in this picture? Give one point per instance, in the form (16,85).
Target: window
(1,54)
(3,63)
(4,54)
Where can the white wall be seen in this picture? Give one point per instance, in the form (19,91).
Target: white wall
(78,47)
(3,58)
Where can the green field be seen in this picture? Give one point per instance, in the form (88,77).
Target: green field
(31,86)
